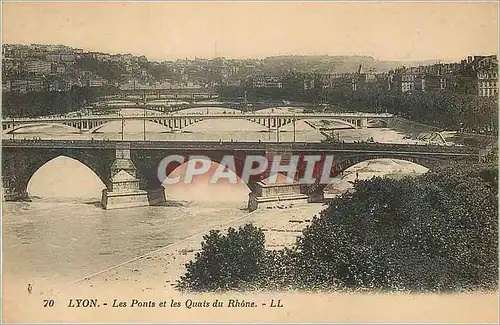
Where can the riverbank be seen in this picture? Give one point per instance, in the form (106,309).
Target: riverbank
(150,279)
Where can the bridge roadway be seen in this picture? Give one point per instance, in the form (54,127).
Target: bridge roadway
(248,147)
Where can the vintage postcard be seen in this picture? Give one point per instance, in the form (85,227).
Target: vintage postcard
(249,162)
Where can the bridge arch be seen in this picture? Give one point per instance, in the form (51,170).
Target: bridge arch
(340,121)
(203,109)
(68,128)
(158,108)
(18,167)
(344,163)
(151,121)
(64,176)
(270,122)
(378,122)
(222,125)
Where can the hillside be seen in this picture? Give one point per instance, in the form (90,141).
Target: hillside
(338,63)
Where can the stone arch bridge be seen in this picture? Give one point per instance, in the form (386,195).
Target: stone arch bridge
(22,158)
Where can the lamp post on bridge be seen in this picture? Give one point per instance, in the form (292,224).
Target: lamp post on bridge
(79,114)
(144,113)
(269,127)
(123,124)
(144,123)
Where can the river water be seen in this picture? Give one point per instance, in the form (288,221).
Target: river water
(64,234)
(67,239)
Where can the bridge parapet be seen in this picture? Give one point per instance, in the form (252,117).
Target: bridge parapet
(242,146)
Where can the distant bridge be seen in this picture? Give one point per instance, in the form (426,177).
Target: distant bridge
(172,107)
(184,93)
(180,120)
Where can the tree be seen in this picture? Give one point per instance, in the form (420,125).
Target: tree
(437,232)
(231,261)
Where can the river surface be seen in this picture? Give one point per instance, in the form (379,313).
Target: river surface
(64,234)
(64,239)
(67,239)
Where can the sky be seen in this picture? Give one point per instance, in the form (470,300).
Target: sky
(171,30)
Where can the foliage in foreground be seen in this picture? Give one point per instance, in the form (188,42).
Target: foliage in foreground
(436,232)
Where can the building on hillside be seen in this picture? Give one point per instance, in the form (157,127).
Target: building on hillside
(58,68)
(38,67)
(97,82)
(20,86)
(68,57)
(309,83)
(6,85)
(97,56)
(8,64)
(329,79)
(267,82)
(337,81)
(34,85)
(53,57)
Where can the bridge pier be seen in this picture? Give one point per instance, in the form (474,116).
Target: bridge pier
(265,194)
(124,187)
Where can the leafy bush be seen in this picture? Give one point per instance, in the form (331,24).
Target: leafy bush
(279,270)
(436,232)
(226,262)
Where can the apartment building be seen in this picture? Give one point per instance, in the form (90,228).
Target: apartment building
(267,82)
(479,75)
(38,67)
(487,77)
(98,82)
(404,82)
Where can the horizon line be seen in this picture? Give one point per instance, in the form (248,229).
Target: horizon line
(193,57)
